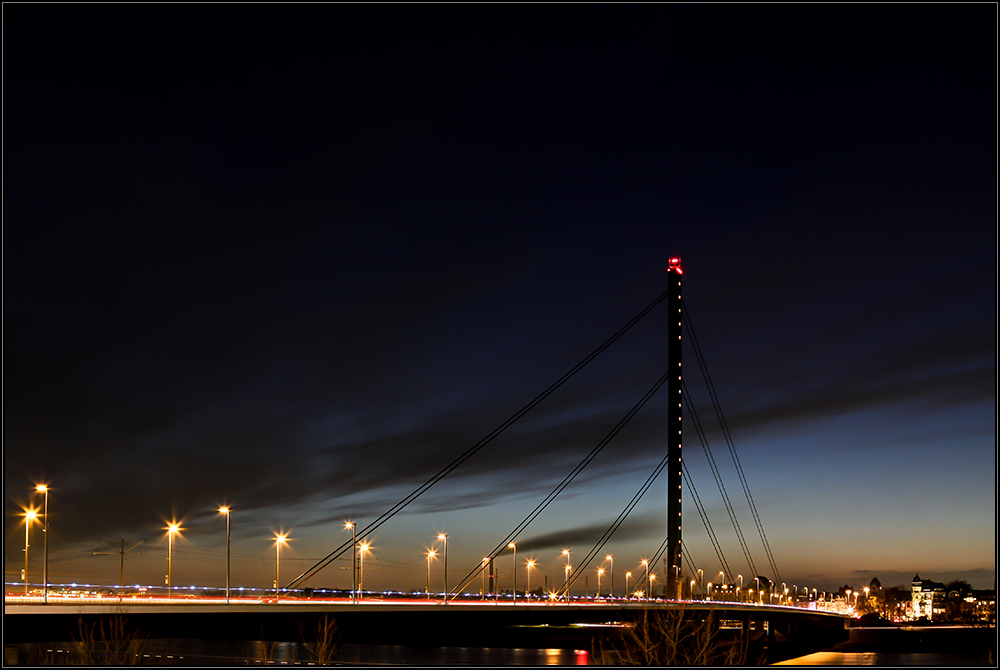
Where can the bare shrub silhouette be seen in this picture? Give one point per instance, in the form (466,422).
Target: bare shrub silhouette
(675,637)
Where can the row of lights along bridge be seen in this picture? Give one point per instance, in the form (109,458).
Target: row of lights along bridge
(722,591)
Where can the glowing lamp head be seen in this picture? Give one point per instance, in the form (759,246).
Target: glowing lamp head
(281,538)
(431,553)
(223,510)
(511,545)
(30,514)
(173,528)
(442,536)
(41,488)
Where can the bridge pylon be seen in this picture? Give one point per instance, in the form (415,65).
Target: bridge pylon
(675,431)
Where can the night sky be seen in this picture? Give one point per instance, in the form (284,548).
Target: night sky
(297,259)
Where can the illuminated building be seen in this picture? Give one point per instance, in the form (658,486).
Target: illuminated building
(928,597)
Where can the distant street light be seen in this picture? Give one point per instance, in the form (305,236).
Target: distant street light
(645,565)
(354,559)
(611,558)
(527,591)
(43,488)
(363,547)
(514,547)
(566,554)
(710,590)
(172,528)
(444,537)
(701,581)
(279,539)
(740,589)
(600,573)
(29,516)
(627,595)
(228,512)
(486,562)
(430,554)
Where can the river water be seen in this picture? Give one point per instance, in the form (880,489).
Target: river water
(221,653)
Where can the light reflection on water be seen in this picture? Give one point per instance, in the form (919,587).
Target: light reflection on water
(221,652)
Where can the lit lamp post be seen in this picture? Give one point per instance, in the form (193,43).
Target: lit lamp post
(611,558)
(514,547)
(29,516)
(652,578)
(444,537)
(867,589)
(363,547)
(645,566)
(701,581)
(171,529)
(710,590)
(43,488)
(527,591)
(600,573)
(566,554)
(739,590)
(279,539)
(430,554)
(628,596)
(354,559)
(486,561)
(692,589)
(228,513)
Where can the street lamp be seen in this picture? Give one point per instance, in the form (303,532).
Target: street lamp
(710,591)
(701,581)
(172,528)
(354,559)
(600,573)
(363,547)
(611,558)
(228,512)
(514,547)
(43,488)
(692,589)
(29,516)
(430,554)
(486,561)
(527,591)
(279,539)
(740,589)
(627,576)
(566,554)
(645,565)
(444,538)
(652,578)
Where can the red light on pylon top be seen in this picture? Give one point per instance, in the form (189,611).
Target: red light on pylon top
(675,264)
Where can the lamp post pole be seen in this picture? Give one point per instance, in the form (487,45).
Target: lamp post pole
(171,529)
(444,537)
(430,554)
(527,589)
(279,540)
(228,512)
(566,554)
(354,560)
(29,516)
(627,575)
(43,488)
(514,547)
(611,558)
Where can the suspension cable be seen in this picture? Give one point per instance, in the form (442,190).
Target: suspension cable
(448,469)
(729,441)
(503,544)
(700,431)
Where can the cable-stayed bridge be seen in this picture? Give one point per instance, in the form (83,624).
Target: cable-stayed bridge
(733,598)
